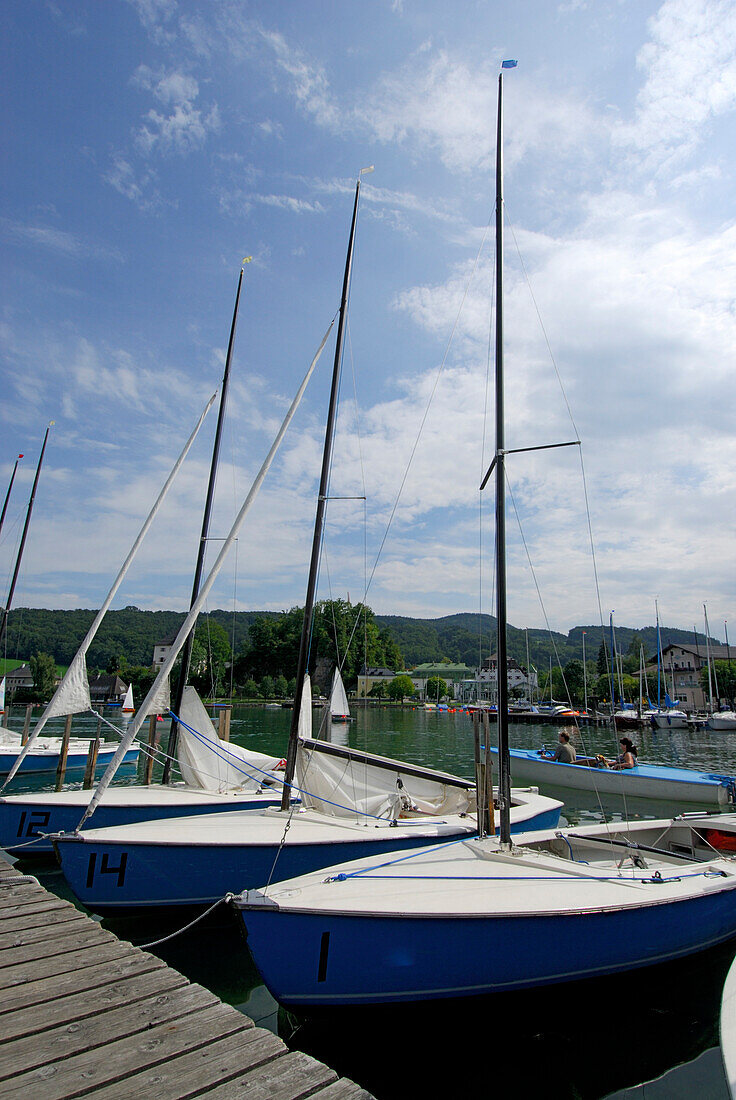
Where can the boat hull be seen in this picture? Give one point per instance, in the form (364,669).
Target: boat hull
(43,761)
(125,870)
(26,821)
(403,960)
(676,786)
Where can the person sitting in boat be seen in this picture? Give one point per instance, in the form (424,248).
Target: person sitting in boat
(564,753)
(629,752)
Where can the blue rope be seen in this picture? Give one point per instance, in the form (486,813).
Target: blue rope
(217,749)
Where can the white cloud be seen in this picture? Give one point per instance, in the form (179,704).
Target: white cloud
(689,64)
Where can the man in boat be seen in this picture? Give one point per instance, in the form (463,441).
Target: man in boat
(564,753)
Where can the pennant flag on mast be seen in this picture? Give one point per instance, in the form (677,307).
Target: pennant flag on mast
(509,64)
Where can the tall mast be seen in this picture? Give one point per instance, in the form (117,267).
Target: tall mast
(319,518)
(186,655)
(6,611)
(7,495)
(504,756)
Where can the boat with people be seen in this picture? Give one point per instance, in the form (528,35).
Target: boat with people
(680,787)
(493,913)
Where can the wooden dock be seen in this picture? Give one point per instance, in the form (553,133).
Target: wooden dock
(84,1014)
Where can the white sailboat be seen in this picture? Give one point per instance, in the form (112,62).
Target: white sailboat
(339,706)
(724,721)
(486,914)
(128,706)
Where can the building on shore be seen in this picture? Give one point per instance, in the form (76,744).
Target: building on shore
(682,666)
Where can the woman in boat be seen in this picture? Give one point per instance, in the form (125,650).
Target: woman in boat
(629,752)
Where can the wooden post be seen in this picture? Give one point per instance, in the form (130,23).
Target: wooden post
(479,778)
(488,770)
(26,724)
(94,748)
(152,743)
(223,725)
(63,753)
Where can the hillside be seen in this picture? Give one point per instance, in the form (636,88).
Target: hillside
(462,638)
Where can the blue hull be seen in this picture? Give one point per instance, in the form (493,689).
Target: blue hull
(110,878)
(23,827)
(38,765)
(344,960)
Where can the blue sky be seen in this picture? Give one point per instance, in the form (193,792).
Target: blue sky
(150,145)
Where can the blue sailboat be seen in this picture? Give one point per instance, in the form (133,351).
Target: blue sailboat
(493,913)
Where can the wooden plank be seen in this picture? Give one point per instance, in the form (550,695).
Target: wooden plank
(65,963)
(293,1077)
(37,927)
(195,1072)
(158,1046)
(58,1043)
(22,903)
(76,1007)
(343,1090)
(45,989)
(14,949)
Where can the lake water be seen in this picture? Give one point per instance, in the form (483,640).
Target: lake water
(586,1040)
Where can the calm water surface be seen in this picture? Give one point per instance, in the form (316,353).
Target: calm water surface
(587,1039)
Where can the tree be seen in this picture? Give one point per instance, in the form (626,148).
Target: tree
(208,671)
(602,664)
(378,690)
(280,687)
(722,673)
(400,687)
(575,680)
(436,688)
(43,671)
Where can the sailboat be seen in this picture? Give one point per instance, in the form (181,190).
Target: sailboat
(219,776)
(339,706)
(722,720)
(353,803)
(668,716)
(128,706)
(485,914)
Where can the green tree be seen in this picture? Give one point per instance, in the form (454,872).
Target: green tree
(723,673)
(378,690)
(43,671)
(280,687)
(267,687)
(436,689)
(250,690)
(209,668)
(401,687)
(575,680)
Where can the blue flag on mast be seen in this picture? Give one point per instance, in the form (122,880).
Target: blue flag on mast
(509,64)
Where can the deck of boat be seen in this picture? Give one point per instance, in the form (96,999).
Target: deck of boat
(83,1013)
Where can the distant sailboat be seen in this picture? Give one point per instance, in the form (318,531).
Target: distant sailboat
(128,707)
(339,706)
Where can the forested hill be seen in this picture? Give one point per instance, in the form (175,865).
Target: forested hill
(462,638)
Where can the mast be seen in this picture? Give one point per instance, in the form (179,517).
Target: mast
(6,610)
(7,495)
(659,660)
(504,756)
(319,517)
(186,655)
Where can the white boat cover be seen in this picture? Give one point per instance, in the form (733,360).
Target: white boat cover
(341,782)
(339,707)
(212,764)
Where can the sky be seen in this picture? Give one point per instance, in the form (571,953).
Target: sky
(151,145)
